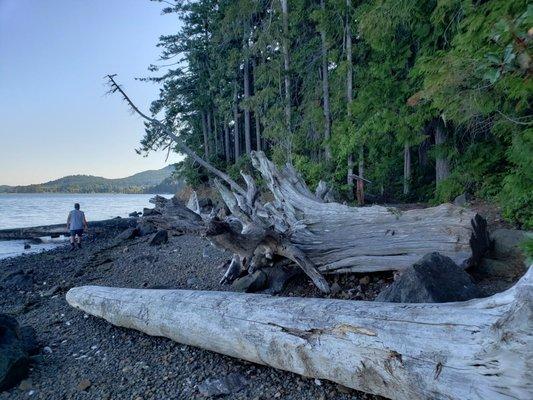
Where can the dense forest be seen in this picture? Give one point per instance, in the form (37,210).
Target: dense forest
(424,99)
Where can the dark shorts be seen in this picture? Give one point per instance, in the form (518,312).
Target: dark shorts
(75,232)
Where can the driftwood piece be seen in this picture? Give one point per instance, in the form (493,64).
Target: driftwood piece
(479,349)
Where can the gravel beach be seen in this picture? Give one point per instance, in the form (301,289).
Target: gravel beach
(83,357)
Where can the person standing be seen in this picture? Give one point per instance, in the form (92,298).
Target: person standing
(76,222)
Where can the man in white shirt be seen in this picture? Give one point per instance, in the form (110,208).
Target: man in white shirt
(76,222)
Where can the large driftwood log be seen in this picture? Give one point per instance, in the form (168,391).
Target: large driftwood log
(480,349)
(322,237)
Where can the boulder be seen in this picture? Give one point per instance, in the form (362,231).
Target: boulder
(159,238)
(507,243)
(14,358)
(251,283)
(461,200)
(128,234)
(150,211)
(135,214)
(27,246)
(433,279)
(146,228)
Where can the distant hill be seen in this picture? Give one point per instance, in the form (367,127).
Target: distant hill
(153,181)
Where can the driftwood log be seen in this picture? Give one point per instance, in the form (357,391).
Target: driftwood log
(479,349)
(323,237)
(320,237)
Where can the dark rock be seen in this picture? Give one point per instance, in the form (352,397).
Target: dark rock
(128,234)
(18,280)
(277,277)
(27,246)
(150,211)
(159,238)
(433,279)
(461,200)
(29,340)
(507,243)
(14,359)
(251,283)
(135,214)
(228,384)
(146,228)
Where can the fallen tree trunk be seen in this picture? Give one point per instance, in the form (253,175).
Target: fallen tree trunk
(322,237)
(479,349)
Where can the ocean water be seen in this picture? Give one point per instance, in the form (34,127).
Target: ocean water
(20,210)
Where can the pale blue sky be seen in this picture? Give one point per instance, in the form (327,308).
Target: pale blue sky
(55,118)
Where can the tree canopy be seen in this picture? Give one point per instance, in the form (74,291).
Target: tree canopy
(429,99)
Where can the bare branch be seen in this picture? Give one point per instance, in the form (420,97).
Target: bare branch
(114,87)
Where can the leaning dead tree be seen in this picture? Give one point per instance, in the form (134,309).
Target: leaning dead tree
(479,349)
(320,237)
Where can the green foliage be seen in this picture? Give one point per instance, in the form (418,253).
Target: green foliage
(460,66)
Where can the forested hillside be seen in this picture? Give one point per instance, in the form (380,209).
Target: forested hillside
(153,181)
(425,99)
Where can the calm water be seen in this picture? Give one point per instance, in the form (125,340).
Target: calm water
(21,210)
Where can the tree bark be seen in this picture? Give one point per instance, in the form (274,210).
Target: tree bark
(442,164)
(227,152)
(247,122)
(205,134)
(479,349)
(286,68)
(236,133)
(325,85)
(349,92)
(360,182)
(406,168)
(258,129)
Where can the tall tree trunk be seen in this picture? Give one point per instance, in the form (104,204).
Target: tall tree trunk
(206,137)
(286,70)
(406,168)
(215,133)
(349,92)
(258,129)
(236,134)
(247,124)
(257,110)
(209,129)
(226,142)
(325,86)
(360,182)
(442,164)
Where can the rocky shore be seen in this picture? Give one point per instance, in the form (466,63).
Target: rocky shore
(82,357)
